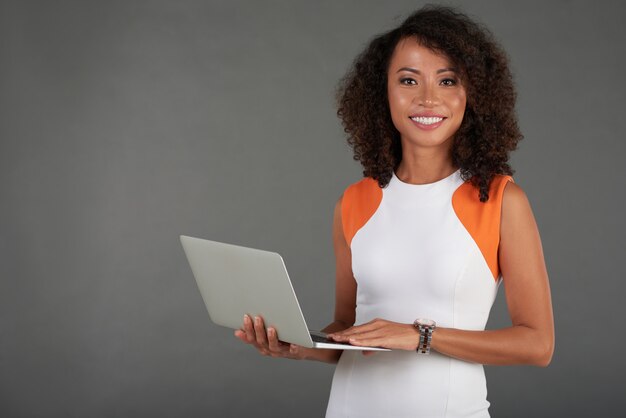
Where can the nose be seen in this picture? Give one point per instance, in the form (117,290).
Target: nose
(426,96)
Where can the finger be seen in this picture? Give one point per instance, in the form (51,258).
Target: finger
(277,346)
(362,336)
(368,353)
(341,334)
(357,329)
(247,325)
(360,333)
(273,342)
(259,329)
(294,349)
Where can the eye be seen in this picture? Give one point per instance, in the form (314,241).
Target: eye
(448,82)
(407,81)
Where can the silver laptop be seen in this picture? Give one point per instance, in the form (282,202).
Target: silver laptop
(235,280)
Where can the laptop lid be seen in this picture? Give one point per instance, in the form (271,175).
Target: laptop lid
(235,280)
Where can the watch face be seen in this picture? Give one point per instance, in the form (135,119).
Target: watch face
(426,322)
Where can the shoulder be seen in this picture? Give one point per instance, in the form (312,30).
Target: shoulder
(365,185)
(354,189)
(482,220)
(363,192)
(357,204)
(513,193)
(467,195)
(499,184)
(515,204)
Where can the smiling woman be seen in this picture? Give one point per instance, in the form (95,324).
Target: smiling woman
(423,241)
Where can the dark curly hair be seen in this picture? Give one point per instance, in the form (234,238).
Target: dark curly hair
(489,129)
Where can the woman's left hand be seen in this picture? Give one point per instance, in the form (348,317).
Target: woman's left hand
(380,333)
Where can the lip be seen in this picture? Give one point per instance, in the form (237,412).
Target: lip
(427,115)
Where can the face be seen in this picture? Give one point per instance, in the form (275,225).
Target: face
(426,98)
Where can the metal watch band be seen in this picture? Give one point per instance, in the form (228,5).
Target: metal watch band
(426,335)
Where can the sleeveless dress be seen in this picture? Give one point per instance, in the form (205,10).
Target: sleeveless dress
(418,251)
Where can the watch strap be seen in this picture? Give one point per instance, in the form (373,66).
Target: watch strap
(426,336)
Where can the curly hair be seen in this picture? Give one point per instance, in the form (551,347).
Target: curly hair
(489,130)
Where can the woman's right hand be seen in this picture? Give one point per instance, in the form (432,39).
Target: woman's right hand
(267,343)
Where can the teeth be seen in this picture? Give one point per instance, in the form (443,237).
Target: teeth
(427,121)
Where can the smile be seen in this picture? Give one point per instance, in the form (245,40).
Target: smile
(427,120)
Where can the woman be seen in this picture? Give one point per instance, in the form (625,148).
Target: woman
(423,241)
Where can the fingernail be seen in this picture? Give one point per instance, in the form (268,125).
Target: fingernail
(257,319)
(245,318)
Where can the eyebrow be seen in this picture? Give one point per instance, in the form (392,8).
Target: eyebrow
(413,70)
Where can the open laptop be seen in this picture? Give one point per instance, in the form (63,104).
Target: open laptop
(235,280)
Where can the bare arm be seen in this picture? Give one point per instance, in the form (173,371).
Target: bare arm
(530,340)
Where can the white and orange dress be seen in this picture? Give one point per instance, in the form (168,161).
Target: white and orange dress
(419,251)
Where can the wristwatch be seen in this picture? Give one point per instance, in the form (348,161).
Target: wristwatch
(426,327)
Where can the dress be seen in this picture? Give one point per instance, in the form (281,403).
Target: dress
(418,251)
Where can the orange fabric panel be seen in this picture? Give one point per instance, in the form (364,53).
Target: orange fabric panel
(359,202)
(482,220)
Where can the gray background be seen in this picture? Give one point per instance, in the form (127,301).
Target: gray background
(124,124)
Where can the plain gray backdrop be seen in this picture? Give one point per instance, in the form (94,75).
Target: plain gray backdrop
(124,124)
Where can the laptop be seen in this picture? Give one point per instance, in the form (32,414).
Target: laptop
(235,280)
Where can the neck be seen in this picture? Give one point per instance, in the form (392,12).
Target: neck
(424,166)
